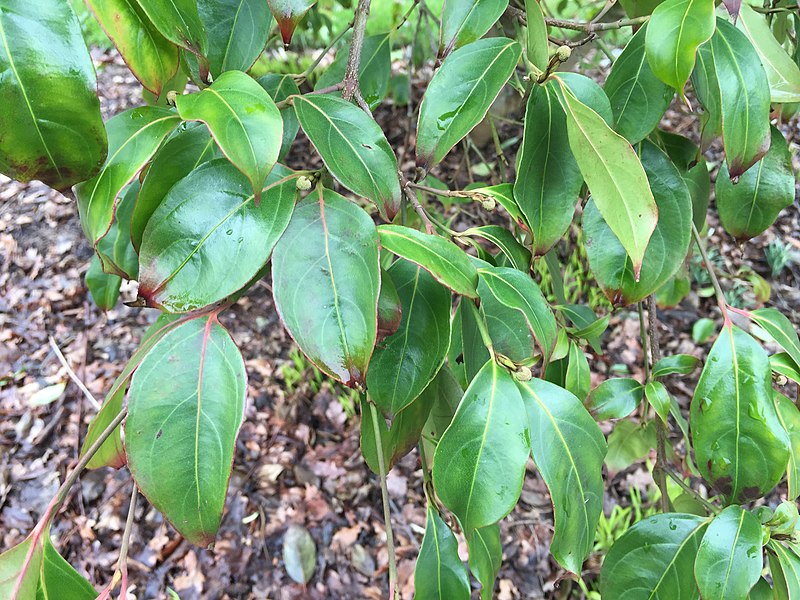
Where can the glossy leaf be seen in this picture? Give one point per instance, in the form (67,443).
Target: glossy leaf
(615,398)
(639,8)
(739,443)
(548,180)
(237,33)
(374,70)
(587,325)
(465,21)
(152,58)
(403,435)
(654,559)
(280,87)
(460,94)
(782,364)
(537,50)
(736,95)
(405,363)
(54,136)
(784,566)
(503,194)
(473,351)
(198,246)
(668,244)
(568,449)
(179,22)
(485,557)
(517,314)
(103,287)
(353,147)
(706,85)
(589,92)
(517,255)
(116,252)
(133,137)
(689,161)
(288,13)
(658,397)
(677,364)
(577,379)
(783,73)
(182,153)
(440,574)
(638,98)
(676,29)
(441,258)
(479,463)
(58,579)
(780,328)
(750,206)
(729,558)
(11,565)
(244,121)
(390,309)
(789,417)
(185,407)
(614,175)
(443,394)
(326,281)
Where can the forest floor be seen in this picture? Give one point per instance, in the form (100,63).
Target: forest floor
(298,458)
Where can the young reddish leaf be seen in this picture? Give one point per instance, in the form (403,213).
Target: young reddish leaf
(448,264)
(460,94)
(179,22)
(439,573)
(50,117)
(207,239)
(390,309)
(405,363)
(185,407)
(133,137)
(740,445)
(152,58)
(353,147)
(465,21)
(733,6)
(244,121)
(479,463)
(326,280)
(288,13)
(614,175)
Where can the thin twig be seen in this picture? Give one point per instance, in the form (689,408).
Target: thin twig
(121,572)
(586,27)
(414,201)
(72,375)
(350,80)
(721,302)
(686,488)
(324,53)
(659,470)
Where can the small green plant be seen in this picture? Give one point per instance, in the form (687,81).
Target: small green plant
(779,255)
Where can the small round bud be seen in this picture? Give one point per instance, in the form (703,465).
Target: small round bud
(563,53)
(523,374)
(488,203)
(303,183)
(172,97)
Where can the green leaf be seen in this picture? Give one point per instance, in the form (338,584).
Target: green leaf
(479,463)
(739,443)
(703,329)
(288,13)
(638,98)
(485,557)
(568,449)
(115,249)
(390,309)
(654,559)
(151,58)
(732,86)
(405,363)
(587,325)
(615,398)
(473,352)
(237,33)
(111,452)
(133,137)
(676,29)
(629,443)
(448,264)
(503,194)
(784,566)
(440,574)
(668,245)
(244,121)
(374,70)
(688,159)
(198,248)
(780,328)
(299,553)
(404,433)
(185,407)
(58,579)
(280,87)
(51,124)
(179,22)
(326,281)
(639,8)
(783,73)
(615,176)
(443,394)
(782,364)
(353,147)
(677,364)
(729,559)
(103,287)
(577,379)
(548,178)
(706,85)
(190,146)
(589,92)
(750,207)
(658,397)
(12,562)
(537,50)
(517,314)
(517,254)
(761,591)
(789,417)
(465,21)
(460,94)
